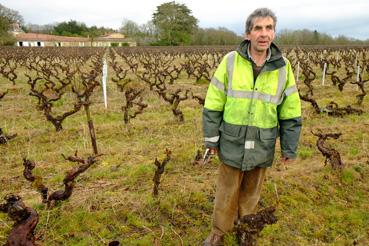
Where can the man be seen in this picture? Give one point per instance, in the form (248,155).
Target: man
(251,99)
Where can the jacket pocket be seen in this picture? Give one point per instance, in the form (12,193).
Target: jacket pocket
(268,134)
(266,145)
(232,140)
(231,130)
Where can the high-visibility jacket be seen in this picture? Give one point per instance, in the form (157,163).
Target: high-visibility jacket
(243,118)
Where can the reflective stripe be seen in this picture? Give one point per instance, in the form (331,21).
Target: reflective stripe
(264,97)
(240,94)
(214,81)
(255,95)
(249,144)
(281,81)
(212,139)
(290,90)
(276,99)
(230,67)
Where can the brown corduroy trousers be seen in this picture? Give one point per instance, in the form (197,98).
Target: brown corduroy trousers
(237,194)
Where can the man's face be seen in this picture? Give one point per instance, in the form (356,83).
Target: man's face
(262,34)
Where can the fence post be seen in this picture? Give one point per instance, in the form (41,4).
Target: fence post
(298,72)
(324,69)
(104,77)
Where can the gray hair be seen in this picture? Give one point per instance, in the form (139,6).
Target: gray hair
(260,12)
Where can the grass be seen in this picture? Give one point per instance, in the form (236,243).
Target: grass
(328,207)
(113,201)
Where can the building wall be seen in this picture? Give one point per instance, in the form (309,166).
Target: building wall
(112,43)
(101,44)
(72,44)
(30,43)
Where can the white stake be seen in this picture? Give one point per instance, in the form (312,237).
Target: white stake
(298,72)
(104,77)
(325,68)
(357,76)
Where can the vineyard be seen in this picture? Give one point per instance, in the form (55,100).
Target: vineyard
(81,169)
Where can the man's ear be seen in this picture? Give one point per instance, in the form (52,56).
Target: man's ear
(247,36)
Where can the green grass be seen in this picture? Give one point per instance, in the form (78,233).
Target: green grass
(113,199)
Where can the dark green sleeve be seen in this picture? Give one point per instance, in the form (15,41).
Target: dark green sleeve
(211,121)
(290,134)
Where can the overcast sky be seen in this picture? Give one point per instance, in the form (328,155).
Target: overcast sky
(335,17)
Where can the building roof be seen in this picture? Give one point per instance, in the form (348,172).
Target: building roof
(48,38)
(112,37)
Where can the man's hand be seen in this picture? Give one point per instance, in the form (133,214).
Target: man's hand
(285,160)
(213,150)
(208,153)
(283,163)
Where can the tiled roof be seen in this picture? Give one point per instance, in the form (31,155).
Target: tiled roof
(48,38)
(112,37)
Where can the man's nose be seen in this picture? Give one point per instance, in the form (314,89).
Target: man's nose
(263,32)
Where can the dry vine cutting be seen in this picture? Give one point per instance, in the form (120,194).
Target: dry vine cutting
(159,171)
(331,155)
(69,179)
(248,227)
(26,220)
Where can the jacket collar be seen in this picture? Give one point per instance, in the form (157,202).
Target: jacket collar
(274,57)
(269,54)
